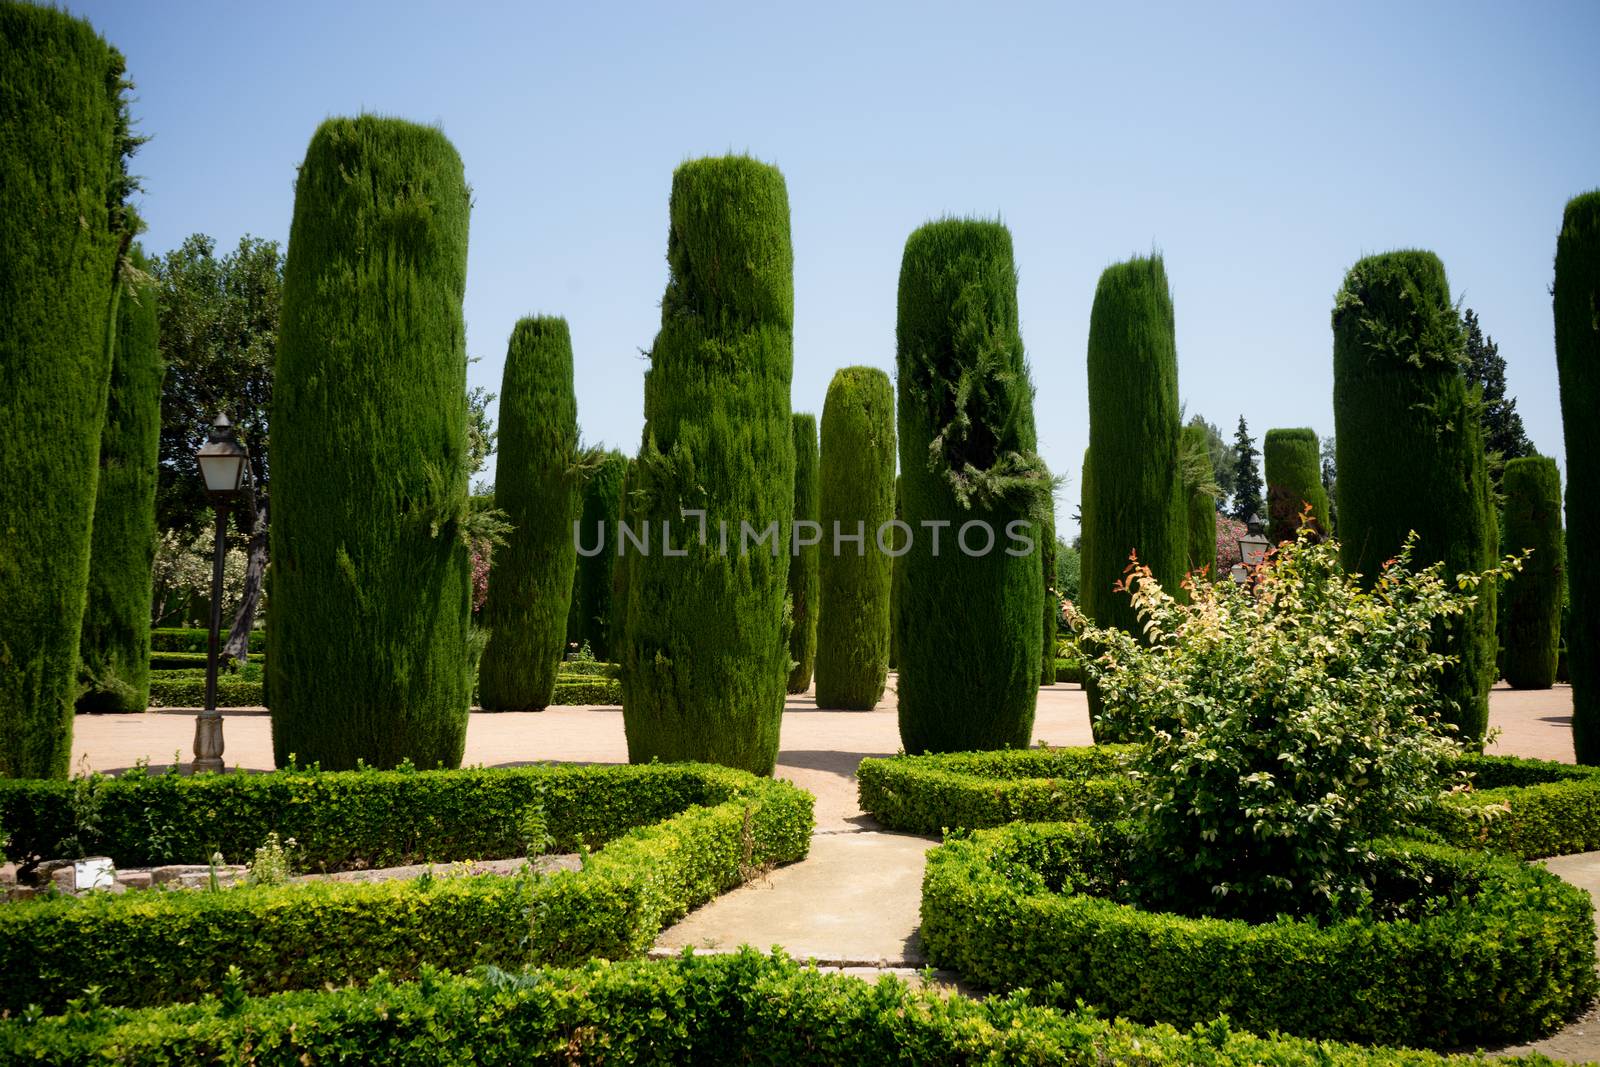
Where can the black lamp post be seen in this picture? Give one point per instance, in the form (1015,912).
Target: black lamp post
(222,464)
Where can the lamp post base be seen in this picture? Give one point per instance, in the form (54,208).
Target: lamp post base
(207,741)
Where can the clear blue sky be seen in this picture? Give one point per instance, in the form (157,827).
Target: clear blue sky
(1262,149)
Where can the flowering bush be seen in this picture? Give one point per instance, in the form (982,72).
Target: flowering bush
(1229,531)
(1286,723)
(482,553)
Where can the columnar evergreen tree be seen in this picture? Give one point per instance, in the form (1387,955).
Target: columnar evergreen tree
(1247,499)
(857,498)
(589,619)
(1200,501)
(897,543)
(114,657)
(969,636)
(1410,452)
(368,631)
(536,485)
(1532,609)
(1578,362)
(1052,596)
(804,562)
(63,226)
(1134,494)
(705,663)
(1294,479)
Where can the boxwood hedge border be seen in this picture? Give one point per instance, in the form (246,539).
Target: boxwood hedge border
(1508,961)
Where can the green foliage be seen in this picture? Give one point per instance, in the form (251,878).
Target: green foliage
(1052,596)
(152,948)
(1532,600)
(273,863)
(1069,568)
(1224,457)
(63,227)
(192,640)
(114,650)
(1504,438)
(1410,453)
(1270,757)
(1294,482)
(1247,502)
(705,657)
(1200,500)
(589,620)
(856,499)
(1491,950)
(1069,670)
(804,564)
(1578,362)
(968,790)
(187,689)
(537,486)
(369,454)
(968,633)
(1529,808)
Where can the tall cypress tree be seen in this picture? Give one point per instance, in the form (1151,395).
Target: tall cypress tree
(1410,452)
(368,629)
(969,635)
(589,619)
(1200,504)
(63,226)
(1532,598)
(1247,499)
(1052,597)
(705,663)
(114,657)
(897,544)
(1134,494)
(536,485)
(803,566)
(857,498)
(1578,363)
(1294,479)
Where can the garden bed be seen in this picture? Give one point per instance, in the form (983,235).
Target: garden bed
(1495,951)
(735,1008)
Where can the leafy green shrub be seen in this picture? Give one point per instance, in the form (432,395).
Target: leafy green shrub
(191,640)
(1529,808)
(63,225)
(857,498)
(1293,460)
(968,790)
(968,640)
(742,1007)
(589,621)
(189,661)
(1490,950)
(1411,455)
(1069,670)
(536,485)
(187,689)
(151,948)
(114,652)
(371,584)
(804,576)
(705,654)
(1269,757)
(586,689)
(1532,600)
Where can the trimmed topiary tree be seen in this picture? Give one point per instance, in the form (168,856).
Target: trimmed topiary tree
(63,225)
(804,591)
(1294,479)
(371,657)
(1578,362)
(1052,597)
(1532,598)
(705,659)
(589,619)
(969,630)
(857,499)
(1410,453)
(1200,505)
(1139,502)
(114,653)
(897,542)
(536,485)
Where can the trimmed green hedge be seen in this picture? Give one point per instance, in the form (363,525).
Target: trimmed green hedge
(1069,670)
(186,661)
(1529,808)
(967,790)
(156,947)
(192,639)
(586,689)
(743,1008)
(1503,952)
(187,689)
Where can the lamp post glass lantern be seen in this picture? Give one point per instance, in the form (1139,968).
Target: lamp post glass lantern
(222,466)
(1253,547)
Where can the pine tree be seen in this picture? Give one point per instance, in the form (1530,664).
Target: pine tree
(1410,453)
(857,497)
(589,619)
(1503,435)
(803,566)
(1578,364)
(1247,501)
(1532,597)
(705,659)
(536,485)
(371,588)
(969,632)
(64,223)
(114,658)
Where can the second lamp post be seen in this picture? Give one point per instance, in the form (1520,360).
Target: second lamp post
(222,464)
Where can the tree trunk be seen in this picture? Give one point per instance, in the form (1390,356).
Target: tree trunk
(237,648)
